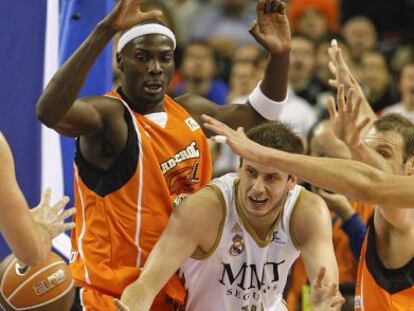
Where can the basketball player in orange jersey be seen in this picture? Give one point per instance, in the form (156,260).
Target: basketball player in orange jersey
(138,150)
(386,267)
(28,233)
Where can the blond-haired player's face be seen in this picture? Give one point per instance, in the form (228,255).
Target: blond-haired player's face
(261,192)
(389,146)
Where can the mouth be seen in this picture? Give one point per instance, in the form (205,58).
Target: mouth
(257,201)
(153,87)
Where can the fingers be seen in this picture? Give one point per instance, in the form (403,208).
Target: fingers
(45,200)
(362,125)
(355,110)
(333,83)
(332,68)
(340,99)
(67,226)
(320,277)
(120,306)
(66,214)
(151,15)
(260,8)
(60,205)
(350,101)
(332,108)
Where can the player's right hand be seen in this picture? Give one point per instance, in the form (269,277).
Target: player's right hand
(127,13)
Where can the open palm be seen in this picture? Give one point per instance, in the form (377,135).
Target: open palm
(271,29)
(127,13)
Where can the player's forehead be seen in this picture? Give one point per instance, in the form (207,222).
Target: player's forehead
(391,139)
(151,42)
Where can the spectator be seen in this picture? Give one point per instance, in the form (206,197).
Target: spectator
(406,86)
(198,70)
(377,79)
(224,25)
(314,18)
(361,36)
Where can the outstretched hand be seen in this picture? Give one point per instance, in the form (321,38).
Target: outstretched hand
(324,294)
(51,218)
(127,13)
(344,120)
(271,29)
(343,76)
(237,140)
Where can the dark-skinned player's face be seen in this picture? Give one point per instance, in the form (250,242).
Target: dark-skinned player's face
(147,65)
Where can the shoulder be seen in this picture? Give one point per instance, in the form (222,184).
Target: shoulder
(104,104)
(188,99)
(310,216)
(5,152)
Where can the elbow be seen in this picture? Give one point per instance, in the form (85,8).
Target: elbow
(44,115)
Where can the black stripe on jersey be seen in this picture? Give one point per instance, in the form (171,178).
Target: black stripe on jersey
(104,182)
(390,280)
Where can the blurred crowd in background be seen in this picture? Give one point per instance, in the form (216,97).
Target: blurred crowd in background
(217,58)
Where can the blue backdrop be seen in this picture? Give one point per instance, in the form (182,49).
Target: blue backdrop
(23,29)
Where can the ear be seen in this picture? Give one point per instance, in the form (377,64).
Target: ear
(409,167)
(292,181)
(119,61)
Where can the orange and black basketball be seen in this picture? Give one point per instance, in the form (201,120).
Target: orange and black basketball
(46,286)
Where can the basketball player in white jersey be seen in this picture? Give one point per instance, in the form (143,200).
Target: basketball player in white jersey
(236,239)
(28,234)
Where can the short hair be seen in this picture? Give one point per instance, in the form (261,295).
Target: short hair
(397,123)
(277,135)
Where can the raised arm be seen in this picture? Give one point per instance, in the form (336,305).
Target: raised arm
(312,228)
(56,107)
(271,30)
(343,75)
(192,227)
(359,181)
(29,240)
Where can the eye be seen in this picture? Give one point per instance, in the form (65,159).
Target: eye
(272,177)
(167,58)
(251,172)
(384,154)
(143,57)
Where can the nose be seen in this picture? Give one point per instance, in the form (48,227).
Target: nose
(258,185)
(155,67)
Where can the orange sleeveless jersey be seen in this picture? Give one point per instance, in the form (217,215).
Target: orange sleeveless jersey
(121,212)
(379,288)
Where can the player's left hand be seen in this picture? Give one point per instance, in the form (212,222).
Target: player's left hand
(51,218)
(324,294)
(120,306)
(271,29)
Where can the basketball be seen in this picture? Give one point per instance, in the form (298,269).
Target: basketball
(46,286)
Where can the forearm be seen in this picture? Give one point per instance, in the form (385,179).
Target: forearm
(22,235)
(351,178)
(64,87)
(275,81)
(364,154)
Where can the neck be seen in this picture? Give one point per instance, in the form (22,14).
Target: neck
(263,224)
(141,106)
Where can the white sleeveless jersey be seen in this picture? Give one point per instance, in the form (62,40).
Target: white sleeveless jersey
(242,272)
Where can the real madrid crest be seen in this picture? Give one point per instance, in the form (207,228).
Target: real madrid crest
(238,245)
